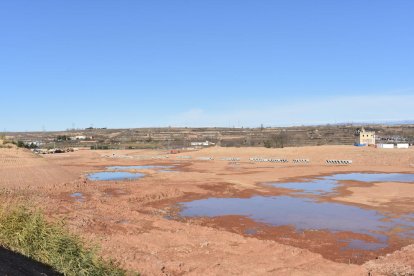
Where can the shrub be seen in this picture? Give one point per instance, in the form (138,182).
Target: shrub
(31,235)
(19,144)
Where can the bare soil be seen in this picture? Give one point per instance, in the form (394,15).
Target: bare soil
(135,221)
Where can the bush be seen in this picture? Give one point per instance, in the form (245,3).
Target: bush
(31,235)
(19,144)
(100,147)
(267,144)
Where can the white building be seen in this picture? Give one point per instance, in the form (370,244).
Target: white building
(78,137)
(385,146)
(403,146)
(202,144)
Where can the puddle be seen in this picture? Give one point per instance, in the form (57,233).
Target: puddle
(166,171)
(379,231)
(123,172)
(327,184)
(102,176)
(310,186)
(284,210)
(250,231)
(78,197)
(169,217)
(111,192)
(374,177)
(363,245)
(302,214)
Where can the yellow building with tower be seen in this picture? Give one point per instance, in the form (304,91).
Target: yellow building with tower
(364,137)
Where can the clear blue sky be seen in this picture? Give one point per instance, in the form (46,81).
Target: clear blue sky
(204,63)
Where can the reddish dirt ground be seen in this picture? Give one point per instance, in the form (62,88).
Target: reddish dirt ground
(133,221)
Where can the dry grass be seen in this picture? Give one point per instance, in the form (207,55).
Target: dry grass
(30,234)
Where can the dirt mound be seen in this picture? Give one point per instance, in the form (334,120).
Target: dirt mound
(398,263)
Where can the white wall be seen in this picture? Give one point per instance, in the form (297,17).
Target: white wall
(385,146)
(402,146)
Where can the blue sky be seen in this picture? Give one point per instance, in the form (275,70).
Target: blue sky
(204,63)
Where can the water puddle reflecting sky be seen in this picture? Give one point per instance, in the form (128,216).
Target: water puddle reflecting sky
(105,176)
(311,214)
(144,167)
(124,172)
(78,197)
(327,184)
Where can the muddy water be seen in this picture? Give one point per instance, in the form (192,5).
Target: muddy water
(312,214)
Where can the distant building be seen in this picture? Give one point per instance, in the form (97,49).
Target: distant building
(385,146)
(202,144)
(403,146)
(78,137)
(33,143)
(364,138)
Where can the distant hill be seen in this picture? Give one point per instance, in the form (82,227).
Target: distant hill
(339,134)
(387,123)
(406,122)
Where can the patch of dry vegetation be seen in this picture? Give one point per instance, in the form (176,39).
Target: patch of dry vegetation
(29,234)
